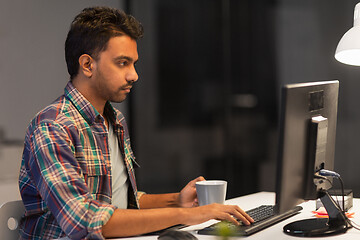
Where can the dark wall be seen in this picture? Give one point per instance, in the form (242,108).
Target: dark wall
(213,93)
(210,72)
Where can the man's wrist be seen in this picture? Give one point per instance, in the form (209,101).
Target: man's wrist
(177,197)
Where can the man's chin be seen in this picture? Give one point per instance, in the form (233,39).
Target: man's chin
(118,100)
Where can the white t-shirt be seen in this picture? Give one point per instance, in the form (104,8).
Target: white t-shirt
(119,174)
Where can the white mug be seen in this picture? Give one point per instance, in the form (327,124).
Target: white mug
(211,191)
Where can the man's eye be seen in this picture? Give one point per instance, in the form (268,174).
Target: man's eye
(124,63)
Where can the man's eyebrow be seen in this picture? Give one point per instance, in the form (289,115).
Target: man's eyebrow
(130,59)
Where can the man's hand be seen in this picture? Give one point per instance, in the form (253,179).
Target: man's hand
(217,211)
(188,196)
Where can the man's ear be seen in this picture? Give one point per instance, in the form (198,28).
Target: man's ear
(86,63)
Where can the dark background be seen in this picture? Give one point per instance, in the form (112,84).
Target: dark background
(210,72)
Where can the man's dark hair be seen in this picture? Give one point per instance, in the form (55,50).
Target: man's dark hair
(91,31)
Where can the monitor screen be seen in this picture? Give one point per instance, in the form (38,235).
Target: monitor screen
(307,130)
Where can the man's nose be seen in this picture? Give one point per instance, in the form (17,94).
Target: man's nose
(132,75)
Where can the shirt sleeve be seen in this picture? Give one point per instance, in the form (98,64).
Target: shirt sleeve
(59,180)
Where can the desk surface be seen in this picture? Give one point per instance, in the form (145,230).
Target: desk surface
(275,231)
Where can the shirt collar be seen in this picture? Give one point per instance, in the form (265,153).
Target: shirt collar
(110,112)
(85,108)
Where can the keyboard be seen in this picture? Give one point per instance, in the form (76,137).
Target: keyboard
(264,216)
(261,213)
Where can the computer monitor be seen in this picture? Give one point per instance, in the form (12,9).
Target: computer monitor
(308,117)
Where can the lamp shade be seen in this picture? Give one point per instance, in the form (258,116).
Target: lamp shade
(348,49)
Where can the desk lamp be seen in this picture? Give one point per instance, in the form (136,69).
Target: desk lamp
(348,49)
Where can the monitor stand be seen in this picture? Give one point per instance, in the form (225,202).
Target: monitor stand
(316,227)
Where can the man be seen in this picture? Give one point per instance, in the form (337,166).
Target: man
(77,173)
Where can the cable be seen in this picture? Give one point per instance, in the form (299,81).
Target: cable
(353,224)
(323,178)
(325,173)
(348,220)
(331,185)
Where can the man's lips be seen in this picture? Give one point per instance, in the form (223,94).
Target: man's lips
(127,89)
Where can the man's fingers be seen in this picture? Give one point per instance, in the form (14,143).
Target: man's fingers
(244,220)
(198,179)
(241,215)
(245,215)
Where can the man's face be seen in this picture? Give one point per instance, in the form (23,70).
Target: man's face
(114,70)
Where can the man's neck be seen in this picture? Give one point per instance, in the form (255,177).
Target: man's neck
(89,94)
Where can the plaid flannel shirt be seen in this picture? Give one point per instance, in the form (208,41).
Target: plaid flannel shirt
(65,175)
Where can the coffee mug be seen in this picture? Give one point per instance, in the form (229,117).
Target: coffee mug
(211,191)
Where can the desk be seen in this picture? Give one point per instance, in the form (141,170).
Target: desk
(274,232)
